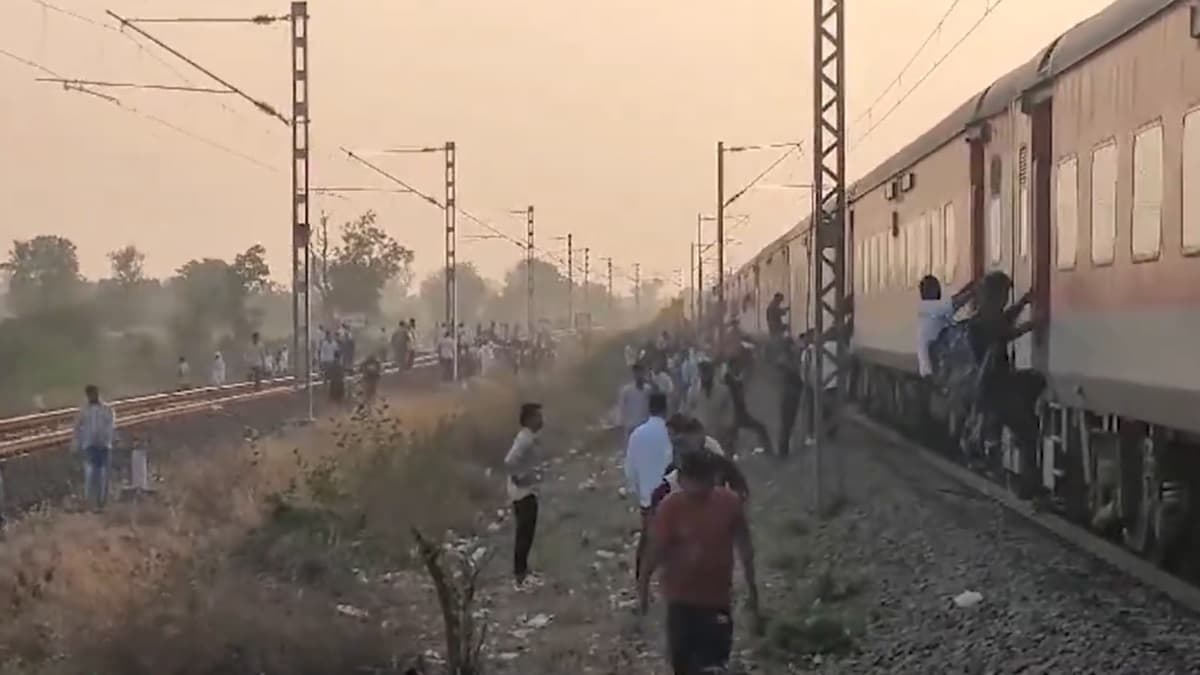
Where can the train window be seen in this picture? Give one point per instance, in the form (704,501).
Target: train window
(910,253)
(1067,212)
(1191,183)
(1104,203)
(1022,218)
(937,261)
(951,242)
(860,270)
(1147,193)
(877,270)
(994,226)
(923,245)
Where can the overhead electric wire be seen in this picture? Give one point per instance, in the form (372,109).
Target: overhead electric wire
(261,19)
(761,175)
(989,8)
(149,116)
(937,28)
(133,85)
(261,105)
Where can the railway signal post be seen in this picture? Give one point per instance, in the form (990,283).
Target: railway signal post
(828,233)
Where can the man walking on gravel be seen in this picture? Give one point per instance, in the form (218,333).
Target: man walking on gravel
(95,430)
(647,457)
(633,401)
(521,464)
(693,537)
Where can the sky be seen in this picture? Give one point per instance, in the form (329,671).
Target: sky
(603,114)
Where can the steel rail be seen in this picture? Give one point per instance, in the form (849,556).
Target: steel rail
(155,407)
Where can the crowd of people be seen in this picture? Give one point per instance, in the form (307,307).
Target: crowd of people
(678,420)
(492,349)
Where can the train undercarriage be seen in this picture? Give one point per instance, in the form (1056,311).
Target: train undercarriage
(1135,483)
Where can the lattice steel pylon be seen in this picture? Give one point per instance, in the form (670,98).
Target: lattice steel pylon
(451,208)
(829,335)
(301,253)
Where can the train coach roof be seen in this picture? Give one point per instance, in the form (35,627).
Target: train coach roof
(1100,30)
(1074,46)
(941,133)
(1001,93)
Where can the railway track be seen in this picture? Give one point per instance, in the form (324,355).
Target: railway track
(1174,587)
(30,434)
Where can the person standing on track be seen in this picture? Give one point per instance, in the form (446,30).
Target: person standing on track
(647,457)
(521,464)
(95,431)
(694,534)
(792,393)
(400,345)
(633,401)
(256,360)
(218,370)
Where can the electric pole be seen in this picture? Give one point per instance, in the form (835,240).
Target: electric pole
(721,233)
(529,270)
(451,210)
(301,233)
(610,290)
(637,291)
(587,253)
(828,232)
(699,266)
(570,282)
(692,279)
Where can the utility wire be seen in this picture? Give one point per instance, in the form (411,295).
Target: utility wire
(151,117)
(990,7)
(937,29)
(261,105)
(761,175)
(132,85)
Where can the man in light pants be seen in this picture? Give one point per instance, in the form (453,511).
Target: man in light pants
(94,433)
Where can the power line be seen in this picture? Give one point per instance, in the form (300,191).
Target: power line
(133,85)
(991,7)
(133,110)
(261,19)
(762,175)
(261,105)
(937,28)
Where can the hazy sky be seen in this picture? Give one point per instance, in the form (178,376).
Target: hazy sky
(602,113)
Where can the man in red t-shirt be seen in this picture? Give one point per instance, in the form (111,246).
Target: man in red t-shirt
(693,536)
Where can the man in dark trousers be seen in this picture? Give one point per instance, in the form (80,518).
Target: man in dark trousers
(735,379)
(521,464)
(694,534)
(792,393)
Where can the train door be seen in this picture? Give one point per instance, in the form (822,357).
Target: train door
(1042,148)
(978,227)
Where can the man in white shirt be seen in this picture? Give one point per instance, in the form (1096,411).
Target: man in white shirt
(446,354)
(935,315)
(633,402)
(218,370)
(521,465)
(647,456)
(95,431)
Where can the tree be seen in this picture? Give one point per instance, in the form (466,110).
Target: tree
(473,294)
(212,295)
(251,269)
(43,272)
(351,276)
(127,265)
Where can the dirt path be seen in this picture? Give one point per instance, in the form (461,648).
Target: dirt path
(582,620)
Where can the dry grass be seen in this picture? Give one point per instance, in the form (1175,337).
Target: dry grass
(292,555)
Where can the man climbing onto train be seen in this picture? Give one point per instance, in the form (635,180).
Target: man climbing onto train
(1007,397)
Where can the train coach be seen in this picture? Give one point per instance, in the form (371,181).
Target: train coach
(1078,174)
